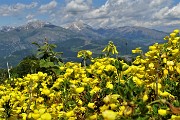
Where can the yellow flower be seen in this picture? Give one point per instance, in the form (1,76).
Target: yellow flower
(46,91)
(122,81)
(79,89)
(70,113)
(2,109)
(175,117)
(165,94)
(152,47)
(99,72)
(110,68)
(153,86)
(125,67)
(170,63)
(104,107)
(162,112)
(93,117)
(137,50)
(139,75)
(115,97)
(35,115)
(164,60)
(174,41)
(176,31)
(69,70)
(173,34)
(151,65)
(72,118)
(107,99)
(145,97)
(89,52)
(143,61)
(94,90)
(91,105)
(61,68)
(24,115)
(178,69)
(46,116)
(40,99)
(109,85)
(83,109)
(113,106)
(171,68)
(80,102)
(121,108)
(42,110)
(165,71)
(175,51)
(109,115)
(137,81)
(79,54)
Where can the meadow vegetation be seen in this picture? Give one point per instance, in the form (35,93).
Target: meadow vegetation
(106,88)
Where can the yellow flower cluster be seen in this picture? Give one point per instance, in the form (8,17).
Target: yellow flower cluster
(106,89)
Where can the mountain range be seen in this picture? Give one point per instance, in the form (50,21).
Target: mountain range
(16,42)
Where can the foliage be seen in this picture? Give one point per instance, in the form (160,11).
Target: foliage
(49,60)
(29,64)
(107,89)
(46,60)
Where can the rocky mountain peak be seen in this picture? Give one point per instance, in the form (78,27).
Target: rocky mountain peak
(79,25)
(6,28)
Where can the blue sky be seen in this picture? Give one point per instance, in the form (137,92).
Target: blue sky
(156,14)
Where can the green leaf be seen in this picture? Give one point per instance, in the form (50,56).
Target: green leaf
(143,118)
(155,108)
(36,44)
(60,64)
(39,53)
(50,64)
(43,63)
(43,48)
(53,45)
(131,84)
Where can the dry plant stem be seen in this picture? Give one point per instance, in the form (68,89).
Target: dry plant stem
(9,75)
(84,60)
(84,63)
(174,110)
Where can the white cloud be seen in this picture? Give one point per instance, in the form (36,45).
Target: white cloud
(114,13)
(117,13)
(47,7)
(146,13)
(7,10)
(175,11)
(76,6)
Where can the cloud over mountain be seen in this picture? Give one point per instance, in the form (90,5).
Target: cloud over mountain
(156,14)
(45,8)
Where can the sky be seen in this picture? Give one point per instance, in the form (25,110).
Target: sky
(161,15)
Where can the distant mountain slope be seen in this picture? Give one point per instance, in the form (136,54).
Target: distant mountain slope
(16,42)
